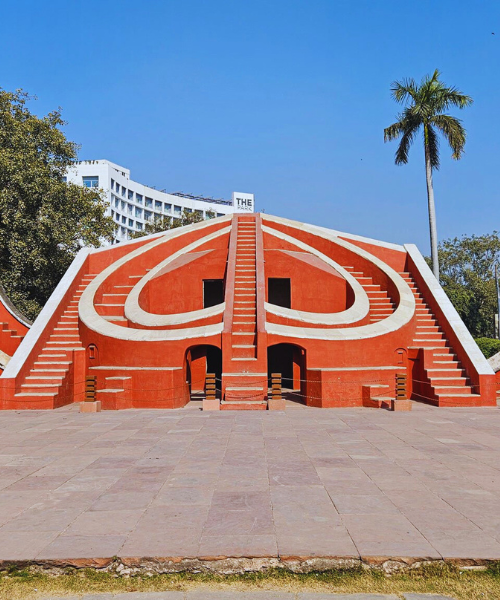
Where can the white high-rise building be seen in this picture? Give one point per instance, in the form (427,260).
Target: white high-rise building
(132,204)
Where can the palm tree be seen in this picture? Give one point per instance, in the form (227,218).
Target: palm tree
(424,107)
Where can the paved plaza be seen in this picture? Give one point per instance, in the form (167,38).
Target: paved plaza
(359,483)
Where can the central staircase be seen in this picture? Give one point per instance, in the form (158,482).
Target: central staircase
(245,388)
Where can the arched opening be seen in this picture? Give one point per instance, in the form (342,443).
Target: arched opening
(290,361)
(201,360)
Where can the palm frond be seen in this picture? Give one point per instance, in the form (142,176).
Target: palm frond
(432,142)
(403,150)
(393,131)
(404,90)
(453,131)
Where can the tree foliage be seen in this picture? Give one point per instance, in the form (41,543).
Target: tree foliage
(489,347)
(44,221)
(424,108)
(164,223)
(425,105)
(467,276)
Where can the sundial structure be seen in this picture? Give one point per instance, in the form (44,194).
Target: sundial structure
(244,296)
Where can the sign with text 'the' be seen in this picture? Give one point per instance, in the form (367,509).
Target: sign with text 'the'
(243,202)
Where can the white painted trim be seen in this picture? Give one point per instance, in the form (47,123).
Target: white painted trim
(41,322)
(97,323)
(12,310)
(466,340)
(401,316)
(137,315)
(154,236)
(353,314)
(351,236)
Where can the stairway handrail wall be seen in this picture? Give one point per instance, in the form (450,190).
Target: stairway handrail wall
(34,340)
(462,341)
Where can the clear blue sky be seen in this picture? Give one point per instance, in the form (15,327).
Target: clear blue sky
(284,98)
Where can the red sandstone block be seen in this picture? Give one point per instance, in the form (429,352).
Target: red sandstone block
(90,407)
(401,405)
(276,404)
(211,404)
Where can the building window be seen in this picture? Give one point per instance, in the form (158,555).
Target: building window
(117,202)
(177,210)
(123,204)
(278,291)
(130,208)
(149,202)
(210,214)
(213,292)
(124,191)
(188,210)
(130,223)
(168,208)
(138,198)
(91,181)
(220,214)
(147,215)
(199,213)
(158,205)
(130,195)
(138,212)
(123,230)
(139,226)
(117,188)
(112,183)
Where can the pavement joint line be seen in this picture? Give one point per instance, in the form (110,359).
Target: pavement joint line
(362,484)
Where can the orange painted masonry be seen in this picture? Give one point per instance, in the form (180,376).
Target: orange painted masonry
(339,316)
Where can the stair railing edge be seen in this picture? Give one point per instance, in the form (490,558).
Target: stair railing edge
(463,338)
(33,337)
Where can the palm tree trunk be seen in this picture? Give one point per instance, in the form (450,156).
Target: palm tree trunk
(432,213)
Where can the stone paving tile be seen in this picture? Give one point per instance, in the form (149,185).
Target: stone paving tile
(426,597)
(238,545)
(83,546)
(301,482)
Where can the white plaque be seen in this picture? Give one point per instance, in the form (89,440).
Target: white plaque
(243,202)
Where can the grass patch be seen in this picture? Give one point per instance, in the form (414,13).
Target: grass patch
(433,579)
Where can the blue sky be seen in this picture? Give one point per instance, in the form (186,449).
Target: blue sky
(284,98)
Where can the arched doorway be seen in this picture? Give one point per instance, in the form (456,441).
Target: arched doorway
(290,361)
(201,360)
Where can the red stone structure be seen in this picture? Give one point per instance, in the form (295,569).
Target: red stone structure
(13,327)
(242,297)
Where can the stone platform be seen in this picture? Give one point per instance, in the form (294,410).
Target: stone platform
(298,487)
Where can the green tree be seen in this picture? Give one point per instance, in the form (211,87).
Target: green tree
(467,276)
(159,224)
(44,221)
(425,105)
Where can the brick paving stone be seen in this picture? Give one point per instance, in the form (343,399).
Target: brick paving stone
(306,482)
